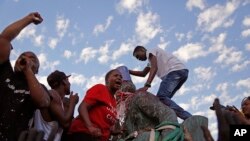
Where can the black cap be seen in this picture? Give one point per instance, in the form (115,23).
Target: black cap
(55,78)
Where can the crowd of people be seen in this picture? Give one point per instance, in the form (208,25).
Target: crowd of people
(114,111)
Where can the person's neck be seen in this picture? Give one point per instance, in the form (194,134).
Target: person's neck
(60,92)
(112,91)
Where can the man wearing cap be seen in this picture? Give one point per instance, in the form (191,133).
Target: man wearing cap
(49,118)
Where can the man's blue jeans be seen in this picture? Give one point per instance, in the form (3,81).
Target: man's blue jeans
(169,85)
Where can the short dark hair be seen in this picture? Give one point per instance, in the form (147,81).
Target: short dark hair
(55,78)
(244,99)
(137,48)
(108,75)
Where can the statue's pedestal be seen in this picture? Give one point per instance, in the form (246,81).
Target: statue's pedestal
(193,125)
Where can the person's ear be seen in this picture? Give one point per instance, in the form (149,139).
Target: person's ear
(64,82)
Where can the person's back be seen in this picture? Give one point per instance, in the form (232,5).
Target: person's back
(166,62)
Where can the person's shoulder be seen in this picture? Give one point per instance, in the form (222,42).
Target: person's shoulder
(4,41)
(54,95)
(154,50)
(99,86)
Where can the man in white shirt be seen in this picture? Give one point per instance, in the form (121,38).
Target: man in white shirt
(169,69)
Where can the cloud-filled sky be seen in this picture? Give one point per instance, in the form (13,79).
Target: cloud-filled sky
(88,38)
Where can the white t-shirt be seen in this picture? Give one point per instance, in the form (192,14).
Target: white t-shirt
(166,62)
(42,125)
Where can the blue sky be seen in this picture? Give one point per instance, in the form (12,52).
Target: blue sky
(88,38)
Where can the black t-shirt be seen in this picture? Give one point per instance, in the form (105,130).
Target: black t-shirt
(16,105)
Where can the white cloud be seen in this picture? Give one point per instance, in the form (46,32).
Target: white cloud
(102,28)
(185,106)
(67,54)
(224,96)
(248,46)
(229,56)
(42,59)
(214,17)
(203,73)
(43,80)
(39,40)
(213,127)
(183,90)
(209,99)
(222,87)
(129,5)
(147,27)
(115,65)
(163,44)
(244,83)
(197,101)
(77,79)
(93,80)
(136,79)
(62,25)
(245,33)
(53,65)
(103,51)
(103,59)
(194,100)
(217,42)
(123,50)
(44,64)
(240,66)
(228,23)
(76,36)
(53,43)
(87,54)
(189,35)
(246,21)
(27,32)
(179,36)
(190,51)
(195,3)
